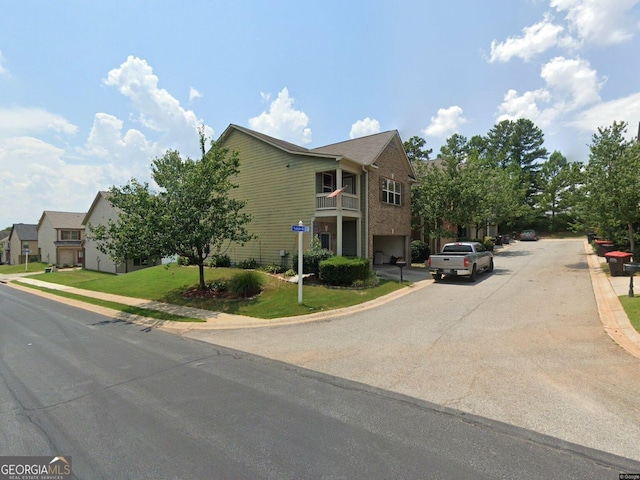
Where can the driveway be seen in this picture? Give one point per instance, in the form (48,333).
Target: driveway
(523,345)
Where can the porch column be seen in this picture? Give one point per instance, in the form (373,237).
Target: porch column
(359,237)
(339,233)
(339,213)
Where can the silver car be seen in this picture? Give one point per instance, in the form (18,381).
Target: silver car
(529,235)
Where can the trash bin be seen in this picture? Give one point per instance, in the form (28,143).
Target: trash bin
(616,261)
(603,246)
(591,236)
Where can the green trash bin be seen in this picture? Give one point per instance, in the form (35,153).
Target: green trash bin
(616,261)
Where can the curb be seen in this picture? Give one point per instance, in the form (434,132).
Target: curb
(612,316)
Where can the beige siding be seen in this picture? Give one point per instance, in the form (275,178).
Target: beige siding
(17,257)
(94,259)
(279,189)
(46,240)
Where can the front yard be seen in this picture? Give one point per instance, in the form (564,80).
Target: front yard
(167,283)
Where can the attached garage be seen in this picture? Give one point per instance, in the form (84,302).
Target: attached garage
(387,246)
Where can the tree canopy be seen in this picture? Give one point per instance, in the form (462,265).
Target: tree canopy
(192,215)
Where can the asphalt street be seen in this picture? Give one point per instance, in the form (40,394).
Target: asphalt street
(123,401)
(523,345)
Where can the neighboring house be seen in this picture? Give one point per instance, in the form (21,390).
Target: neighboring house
(60,236)
(23,241)
(4,246)
(284,183)
(100,212)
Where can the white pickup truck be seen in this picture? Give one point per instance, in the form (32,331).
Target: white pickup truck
(461,258)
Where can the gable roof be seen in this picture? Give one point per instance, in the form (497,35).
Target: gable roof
(363,150)
(101,194)
(69,220)
(281,144)
(24,231)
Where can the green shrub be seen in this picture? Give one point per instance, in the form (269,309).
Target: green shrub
(219,261)
(488,243)
(344,271)
(246,284)
(250,264)
(290,273)
(218,286)
(420,251)
(273,268)
(311,258)
(184,261)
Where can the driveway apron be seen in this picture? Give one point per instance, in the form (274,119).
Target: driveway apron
(523,345)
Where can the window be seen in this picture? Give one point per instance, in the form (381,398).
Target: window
(327,183)
(140,262)
(70,235)
(391,192)
(349,181)
(325,240)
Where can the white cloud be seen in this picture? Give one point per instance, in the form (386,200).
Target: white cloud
(602,22)
(517,106)
(18,121)
(573,81)
(536,39)
(35,173)
(446,122)
(194,94)
(282,120)
(130,151)
(158,109)
(625,109)
(364,127)
(570,84)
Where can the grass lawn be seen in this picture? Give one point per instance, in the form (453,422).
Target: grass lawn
(32,267)
(631,305)
(143,312)
(166,283)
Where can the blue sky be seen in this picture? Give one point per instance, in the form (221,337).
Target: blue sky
(91,92)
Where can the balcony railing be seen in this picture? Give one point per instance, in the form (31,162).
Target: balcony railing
(347,202)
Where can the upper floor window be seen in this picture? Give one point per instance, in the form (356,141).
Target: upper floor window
(327,183)
(70,235)
(391,192)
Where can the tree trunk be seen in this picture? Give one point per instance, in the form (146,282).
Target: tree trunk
(632,246)
(201,270)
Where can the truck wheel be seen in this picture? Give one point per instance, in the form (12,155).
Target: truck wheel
(490,269)
(474,273)
(437,276)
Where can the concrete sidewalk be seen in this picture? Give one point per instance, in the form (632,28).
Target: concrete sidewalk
(212,320)
(606,290)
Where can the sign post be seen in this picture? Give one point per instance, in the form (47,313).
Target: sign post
(300,228)
(26,257)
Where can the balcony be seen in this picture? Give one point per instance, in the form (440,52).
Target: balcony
(347,201)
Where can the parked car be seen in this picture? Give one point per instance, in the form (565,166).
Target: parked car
(529,235)
(460,258)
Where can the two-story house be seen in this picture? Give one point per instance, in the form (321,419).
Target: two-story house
(4,246)
(23,244)
(354,195)
(60,236)
(100,213)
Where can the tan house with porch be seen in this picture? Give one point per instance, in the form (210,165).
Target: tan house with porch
(354,195)
(60,236)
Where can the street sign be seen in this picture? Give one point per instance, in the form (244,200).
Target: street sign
(299,228)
